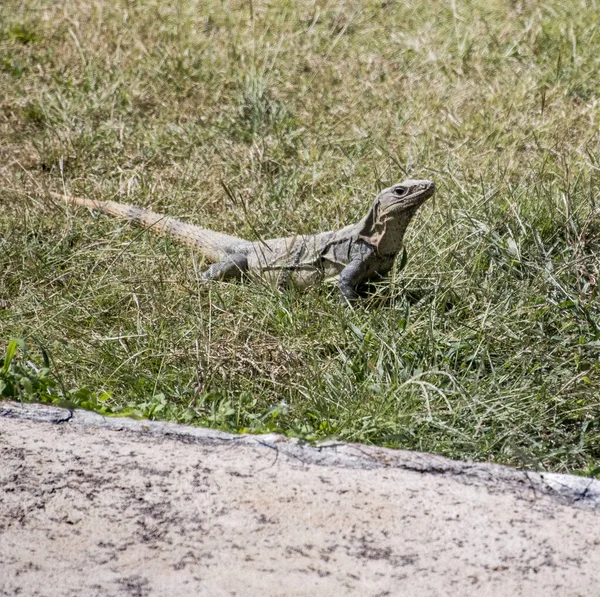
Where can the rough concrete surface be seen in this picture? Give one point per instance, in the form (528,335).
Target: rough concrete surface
(94,506)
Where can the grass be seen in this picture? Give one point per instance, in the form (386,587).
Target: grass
(485,346)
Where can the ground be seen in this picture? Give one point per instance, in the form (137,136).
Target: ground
(261,119)
(103,506)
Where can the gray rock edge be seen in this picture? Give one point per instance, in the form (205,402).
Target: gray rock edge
(569,490)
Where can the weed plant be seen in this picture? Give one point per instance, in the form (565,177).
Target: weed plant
(484,346)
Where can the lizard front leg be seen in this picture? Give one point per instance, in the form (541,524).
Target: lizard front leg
(231,268)
(360,268)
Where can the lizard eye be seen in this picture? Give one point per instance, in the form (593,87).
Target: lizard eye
(400,190)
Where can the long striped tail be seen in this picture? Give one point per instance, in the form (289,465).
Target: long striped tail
(214,245)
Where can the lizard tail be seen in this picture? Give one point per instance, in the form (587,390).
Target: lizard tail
(213,245)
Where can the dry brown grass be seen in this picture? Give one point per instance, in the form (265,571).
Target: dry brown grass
(485,346)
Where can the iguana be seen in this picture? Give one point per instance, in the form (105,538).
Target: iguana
(356,253)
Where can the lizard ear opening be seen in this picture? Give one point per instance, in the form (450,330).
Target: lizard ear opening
(373,228)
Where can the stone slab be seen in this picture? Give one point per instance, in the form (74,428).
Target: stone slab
(101,506)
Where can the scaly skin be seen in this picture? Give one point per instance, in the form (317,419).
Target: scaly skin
(356,253)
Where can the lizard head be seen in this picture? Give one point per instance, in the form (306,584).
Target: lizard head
(391,212)
(406,196)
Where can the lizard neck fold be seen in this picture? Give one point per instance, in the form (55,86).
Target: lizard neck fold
(385,231)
